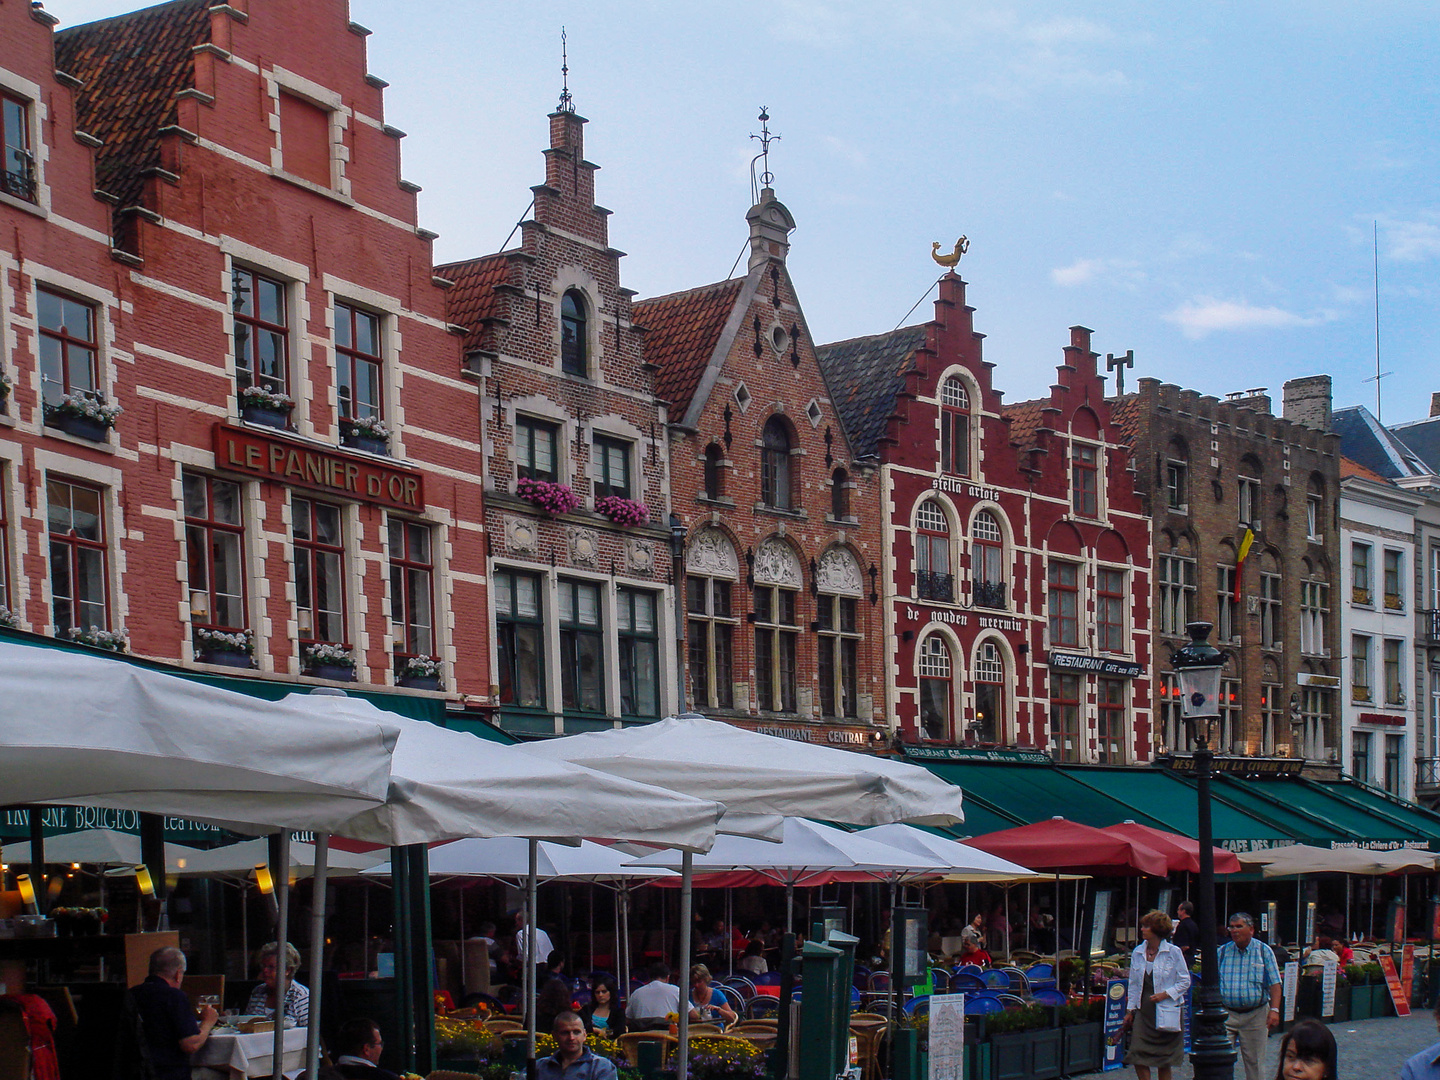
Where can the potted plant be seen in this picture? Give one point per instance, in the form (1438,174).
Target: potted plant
(1082,1036)
(228,648)
(84,415)
(419,673)
(326,661)
(8,619)
(367,433)
(467,1046)
(269,407)
(109,640)
(549,496)
(623,511)
(1023,1046)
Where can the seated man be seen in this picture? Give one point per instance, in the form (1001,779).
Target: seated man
(165,1023)
(649,1006)
(358,1047)
(572,1059)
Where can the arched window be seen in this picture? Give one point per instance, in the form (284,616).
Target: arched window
(711,568)
(935,688)
(574,344)
(989,694)
(954,427)
(840,495)
(775,487)
(987,562)
(714,471)
(933,579)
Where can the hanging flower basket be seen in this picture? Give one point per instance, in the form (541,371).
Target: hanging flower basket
(334,662)
(228,648)
(86,416)
(419,673)
(109,640)
(623,511)
(367,433)
(261,406)
(551,497)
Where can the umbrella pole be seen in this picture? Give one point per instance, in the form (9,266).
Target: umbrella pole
(282,936)
(1370,923)
(789,907)
(317,950)
(527,962)
(682,1051)
(624,916)
(1058,909)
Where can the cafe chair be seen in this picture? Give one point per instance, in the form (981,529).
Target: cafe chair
(982,1005)
(706,1028)
(197,986)
(631,1040)
(1048,997)
(765,1024)
(761,1007)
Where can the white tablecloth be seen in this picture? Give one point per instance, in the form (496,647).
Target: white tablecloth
(238,1056)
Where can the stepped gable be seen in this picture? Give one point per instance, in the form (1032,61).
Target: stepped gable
(682,331)
(866,376)
(133,66)
(471,302)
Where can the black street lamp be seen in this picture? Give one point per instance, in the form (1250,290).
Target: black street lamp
(1197,668)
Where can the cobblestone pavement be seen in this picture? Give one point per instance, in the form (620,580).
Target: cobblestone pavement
(1369,1049)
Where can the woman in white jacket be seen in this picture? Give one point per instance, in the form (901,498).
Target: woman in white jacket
(1158,982)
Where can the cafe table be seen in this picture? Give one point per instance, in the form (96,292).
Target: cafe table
(229,1055)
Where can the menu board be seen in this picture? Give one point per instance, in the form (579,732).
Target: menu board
(1392,980)
(1291,980)
(1327,987)
(947,1036)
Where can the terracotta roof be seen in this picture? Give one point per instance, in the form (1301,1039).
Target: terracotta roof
(1025,419)
(1125,416)
(865,376)
(472,300)
(681,332)
(1354,468)
(132,66)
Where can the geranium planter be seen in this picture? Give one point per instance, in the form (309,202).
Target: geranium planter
(911,1063)
(1342,1002)
(82,427)
(260,414)
(371,444)
(1360,999)
(337,672)
(419,682)
(1026,1055)
(226,658)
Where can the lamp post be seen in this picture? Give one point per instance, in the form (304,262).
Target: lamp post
(677,573)
(1197,668)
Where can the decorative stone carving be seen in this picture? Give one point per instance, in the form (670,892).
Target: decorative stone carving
(584,547)
(776,564)
(640,555)
(839,574)
(521,536)
(712,554)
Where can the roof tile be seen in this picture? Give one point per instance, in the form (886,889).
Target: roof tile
(681,333)
(865,376)
(472,300)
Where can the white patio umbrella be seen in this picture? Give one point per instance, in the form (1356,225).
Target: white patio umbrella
(955,857)
(1307,859)
(508,857)
(759,774)
(240,860)
(92,847)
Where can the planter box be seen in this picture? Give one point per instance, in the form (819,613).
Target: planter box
(1360,998)
(1342,1002)
(82,427)
(1380,1004)
(336,672)
(259,414)
(911,1063)
(1026,1055)
(419,682)
(371,444)
(1084,1046)
(226,658)
(1308,997)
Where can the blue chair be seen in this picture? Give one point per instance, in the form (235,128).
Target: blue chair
(761,1007)
(919,1005)
(982,1005)
(971,969)
(997,980)
(962,982)
(940,980)
(1010,999)
(879,982)
(854,997)
(770,978)
(740,983)
(1048,997)
(1041,976)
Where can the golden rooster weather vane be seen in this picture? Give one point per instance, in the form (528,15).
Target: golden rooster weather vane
(953,259)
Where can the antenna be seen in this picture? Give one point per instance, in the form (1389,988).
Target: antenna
(767,178)
(1375,242)
(567,103)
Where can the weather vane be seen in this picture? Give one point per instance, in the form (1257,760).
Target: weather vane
(767,178)
(953,259)
(567,103)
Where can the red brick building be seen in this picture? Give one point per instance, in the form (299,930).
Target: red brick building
(1016,582)
(204,223)
(784,629)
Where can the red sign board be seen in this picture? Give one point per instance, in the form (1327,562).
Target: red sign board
(1382,718)
(1407,967)
(319,468)
(1392,980)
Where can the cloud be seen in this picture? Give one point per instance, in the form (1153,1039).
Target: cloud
(1205,315)
(1080,272)
(1102,271)
(1412,241)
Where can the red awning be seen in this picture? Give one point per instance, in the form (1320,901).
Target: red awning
(1058,845)
(1182,853)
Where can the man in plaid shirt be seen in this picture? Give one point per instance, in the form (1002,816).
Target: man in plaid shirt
(1250,991)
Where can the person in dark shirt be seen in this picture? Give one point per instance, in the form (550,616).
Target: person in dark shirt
(166,1020)
(1187,931)
(358,1048)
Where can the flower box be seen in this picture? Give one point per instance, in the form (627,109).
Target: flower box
(911,1063)
(1360,999)
(227,648)
(326,661)
(109,640)
(366,433)
(84,415)
(1342,1001)
(336,672)
(419,673)
(1084,1048)
(261,406)
(259,414)
(226,658)
(419,682)
(623,511)
(82,427)
(371,444)
(548,496)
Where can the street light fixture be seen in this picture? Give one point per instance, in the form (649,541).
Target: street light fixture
(1197,669)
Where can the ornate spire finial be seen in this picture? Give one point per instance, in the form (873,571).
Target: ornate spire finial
(567,103)
(767,178)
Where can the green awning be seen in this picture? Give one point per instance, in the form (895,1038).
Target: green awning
(1350,818)
(1028,793)
(1405,815)
(1265,799)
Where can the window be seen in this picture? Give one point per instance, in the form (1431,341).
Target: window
(1435,578)
(989,694)
(358,364)
(840,495)
(535,449)
(1225,604)
(775,482)
(6,600)
(1231,733)
(1314,711)
(1065,717)
(520,639)
(711,641)
(1360,755)
(582,648)
(1394,580)
(1314,612)
(1271,623)
(78,559)
(1314,516)
(987,562)
(1112,722)
(1394,689)
(839,650)
(1360,574)
(262,336)
(954,427)
(1272,707)
(18,177)
(776,637)
(935,688)
(1110,611)
(1177,593)
(68,354)
(1084,480)
(1359,667)
(1248,492)
(214,552)
(319,571)
(639,653)
(1177,487)
(1394,753)
(1177,737)
(412,574)
(933,580)
(574,344)
(1064,603)
(612,467)
(714,471)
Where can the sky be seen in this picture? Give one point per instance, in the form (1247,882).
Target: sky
(1203,184)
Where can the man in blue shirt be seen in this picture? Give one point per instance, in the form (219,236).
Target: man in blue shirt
(572,1060)
(1250,992)
(161,1016)
(1426,1064)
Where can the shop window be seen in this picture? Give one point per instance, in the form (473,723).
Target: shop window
(987,559)
(359,365)
(319,571)
(412,590)
(1394,580)
(1176,575)
(1064,603)
(1360,756)
(933,579)
(714,472)
(262,333)
(1085,479)
(1065,717)
(535,449)
(639,653)
(582,648)
(935,688)
(574,344)
(69,351)
(989,694)
(776,641)
(215,553)
(1110,611)
(955,427)
(1110,742)
(79,561)
(18,178)
(1360,668)
(520,637)
(776,485)
(611,460)
(1314,614)
(839,642)
(711,641)
(1360,584)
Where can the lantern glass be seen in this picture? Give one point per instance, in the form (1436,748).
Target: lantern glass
(263,879)
(27,890)
(1199,691)
(144,880)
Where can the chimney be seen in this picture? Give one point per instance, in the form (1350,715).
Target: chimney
(1256,400)
(1307,402)
(1435,404)
(770,228)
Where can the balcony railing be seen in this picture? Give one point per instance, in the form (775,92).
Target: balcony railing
(933,586)
(1430,628)
(990,594)
(18,185)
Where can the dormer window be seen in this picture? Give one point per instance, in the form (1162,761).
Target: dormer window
(574,345)
(955,427)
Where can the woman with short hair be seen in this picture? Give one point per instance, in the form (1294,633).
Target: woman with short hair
(1159,980)
(262,998)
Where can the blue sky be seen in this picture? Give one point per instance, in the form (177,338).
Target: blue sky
(1196,183)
